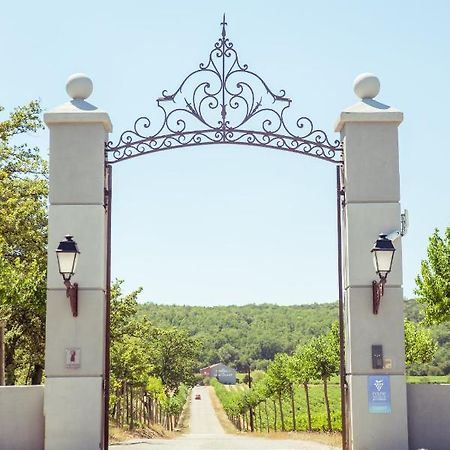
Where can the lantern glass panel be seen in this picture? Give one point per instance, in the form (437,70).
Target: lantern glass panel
(67,263)
(383,261)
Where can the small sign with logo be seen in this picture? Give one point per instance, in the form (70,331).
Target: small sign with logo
(379,390)
(73,358)
(387,363)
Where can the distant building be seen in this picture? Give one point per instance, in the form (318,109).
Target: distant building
(223,373)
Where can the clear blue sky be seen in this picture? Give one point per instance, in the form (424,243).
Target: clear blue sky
(236,225)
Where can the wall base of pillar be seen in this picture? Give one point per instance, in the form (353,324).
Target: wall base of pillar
(375,431)
(73,413)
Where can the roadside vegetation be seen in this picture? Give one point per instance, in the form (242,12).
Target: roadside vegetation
(294,394)
(331,439)
(267,412)
(151,367)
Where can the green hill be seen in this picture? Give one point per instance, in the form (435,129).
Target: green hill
(236,335)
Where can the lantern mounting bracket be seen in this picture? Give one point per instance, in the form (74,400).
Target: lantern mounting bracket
(72,295)
(377,293)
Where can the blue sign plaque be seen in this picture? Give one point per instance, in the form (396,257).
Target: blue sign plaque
(379,390)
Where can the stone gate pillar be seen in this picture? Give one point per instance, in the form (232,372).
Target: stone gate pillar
(369,130)
(74,389)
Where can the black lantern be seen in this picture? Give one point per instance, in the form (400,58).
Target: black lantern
(383,256)
(67,256)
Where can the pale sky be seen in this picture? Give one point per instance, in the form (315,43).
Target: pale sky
(221,225)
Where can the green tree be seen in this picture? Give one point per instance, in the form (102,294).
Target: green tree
(279,380)
(23,245)
(123,311)
(262,393)
(420,347)
(304,371)
(174,356)
(130,361)
(325,354)
(433,283)
(227,354)
(149,365)
(129,354)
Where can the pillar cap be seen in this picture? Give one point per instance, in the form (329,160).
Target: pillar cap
(79,86)
(78,111)
(369,111)
(366,85)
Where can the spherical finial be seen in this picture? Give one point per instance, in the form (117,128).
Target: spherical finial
(79,86)
(366,85)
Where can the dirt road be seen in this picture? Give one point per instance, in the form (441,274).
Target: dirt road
(206,433)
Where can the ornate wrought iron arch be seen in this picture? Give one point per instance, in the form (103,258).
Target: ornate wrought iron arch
(223,102)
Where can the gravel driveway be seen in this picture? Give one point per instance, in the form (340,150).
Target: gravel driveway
(206,433)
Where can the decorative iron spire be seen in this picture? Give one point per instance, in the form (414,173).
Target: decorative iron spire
(223,102)
(224,24)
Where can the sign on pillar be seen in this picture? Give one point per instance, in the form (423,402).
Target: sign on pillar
(75,336)
(375,361)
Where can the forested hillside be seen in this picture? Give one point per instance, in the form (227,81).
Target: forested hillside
(238,334)
(253,333)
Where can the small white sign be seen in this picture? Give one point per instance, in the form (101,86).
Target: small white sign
(73,358)
(387,363)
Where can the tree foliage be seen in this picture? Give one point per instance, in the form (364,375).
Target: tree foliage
(304,371)
(440,334)
(23,245)
(433,282)
(420,347)
(315,361)
(174,356)
(150,366)
(141,351)
(236,335)
(325,356)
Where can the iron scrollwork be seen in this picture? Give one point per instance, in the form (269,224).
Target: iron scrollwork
(223,102)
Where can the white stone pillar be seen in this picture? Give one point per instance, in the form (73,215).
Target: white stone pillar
(73,402)
(369,130)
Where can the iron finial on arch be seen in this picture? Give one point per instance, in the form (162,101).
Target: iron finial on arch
(223,102)
(224,24)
